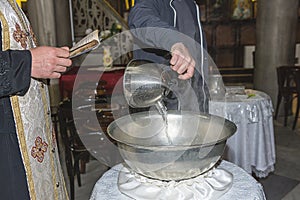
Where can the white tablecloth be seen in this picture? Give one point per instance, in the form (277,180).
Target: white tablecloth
(243,187)
(252,147)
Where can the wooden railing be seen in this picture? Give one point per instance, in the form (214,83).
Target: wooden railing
(99,14)
(94,14)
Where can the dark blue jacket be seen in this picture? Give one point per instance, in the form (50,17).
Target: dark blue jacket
(153,23)
(152,14)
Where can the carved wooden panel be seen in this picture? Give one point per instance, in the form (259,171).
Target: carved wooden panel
(225,35)
(248,34)
(94,14)
(225,58)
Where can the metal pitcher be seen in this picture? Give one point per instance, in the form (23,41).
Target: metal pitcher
(146,83)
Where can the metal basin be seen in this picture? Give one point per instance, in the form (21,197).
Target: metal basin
(187,146)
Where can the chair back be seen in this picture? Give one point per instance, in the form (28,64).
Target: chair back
(68,130)
(287,79)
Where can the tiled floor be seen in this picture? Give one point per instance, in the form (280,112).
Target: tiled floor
(285,185)
(282,184)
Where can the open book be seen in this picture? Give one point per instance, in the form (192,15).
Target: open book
(86,44)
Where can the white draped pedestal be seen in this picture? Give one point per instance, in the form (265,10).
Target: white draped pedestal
(243,186)
(252,147)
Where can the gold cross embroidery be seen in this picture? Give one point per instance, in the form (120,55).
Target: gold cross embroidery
(20,36)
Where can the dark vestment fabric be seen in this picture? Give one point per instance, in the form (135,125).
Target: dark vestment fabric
(14,79)
(13,184)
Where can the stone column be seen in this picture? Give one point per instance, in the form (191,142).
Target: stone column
(276,28)
(63,38)
(42,17)
(51,21)
(63,23)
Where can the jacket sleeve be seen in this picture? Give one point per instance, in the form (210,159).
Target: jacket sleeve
(15,71)
(147,25)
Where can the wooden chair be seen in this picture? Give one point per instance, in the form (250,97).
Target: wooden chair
(75,151)
(288,79)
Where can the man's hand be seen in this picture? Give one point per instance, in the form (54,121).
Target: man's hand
(49,62)
(182,62)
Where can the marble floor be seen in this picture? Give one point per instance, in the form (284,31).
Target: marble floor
(283,183)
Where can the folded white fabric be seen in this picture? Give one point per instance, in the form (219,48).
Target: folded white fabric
(211,185)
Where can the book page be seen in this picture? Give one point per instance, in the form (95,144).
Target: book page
(86,44)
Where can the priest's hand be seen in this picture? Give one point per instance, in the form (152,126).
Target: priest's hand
(182,62)
(49,62)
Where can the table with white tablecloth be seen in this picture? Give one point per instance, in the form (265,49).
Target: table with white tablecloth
(244,186)
(252,147)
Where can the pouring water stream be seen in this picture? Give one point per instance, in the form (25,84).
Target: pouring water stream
(162,109)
